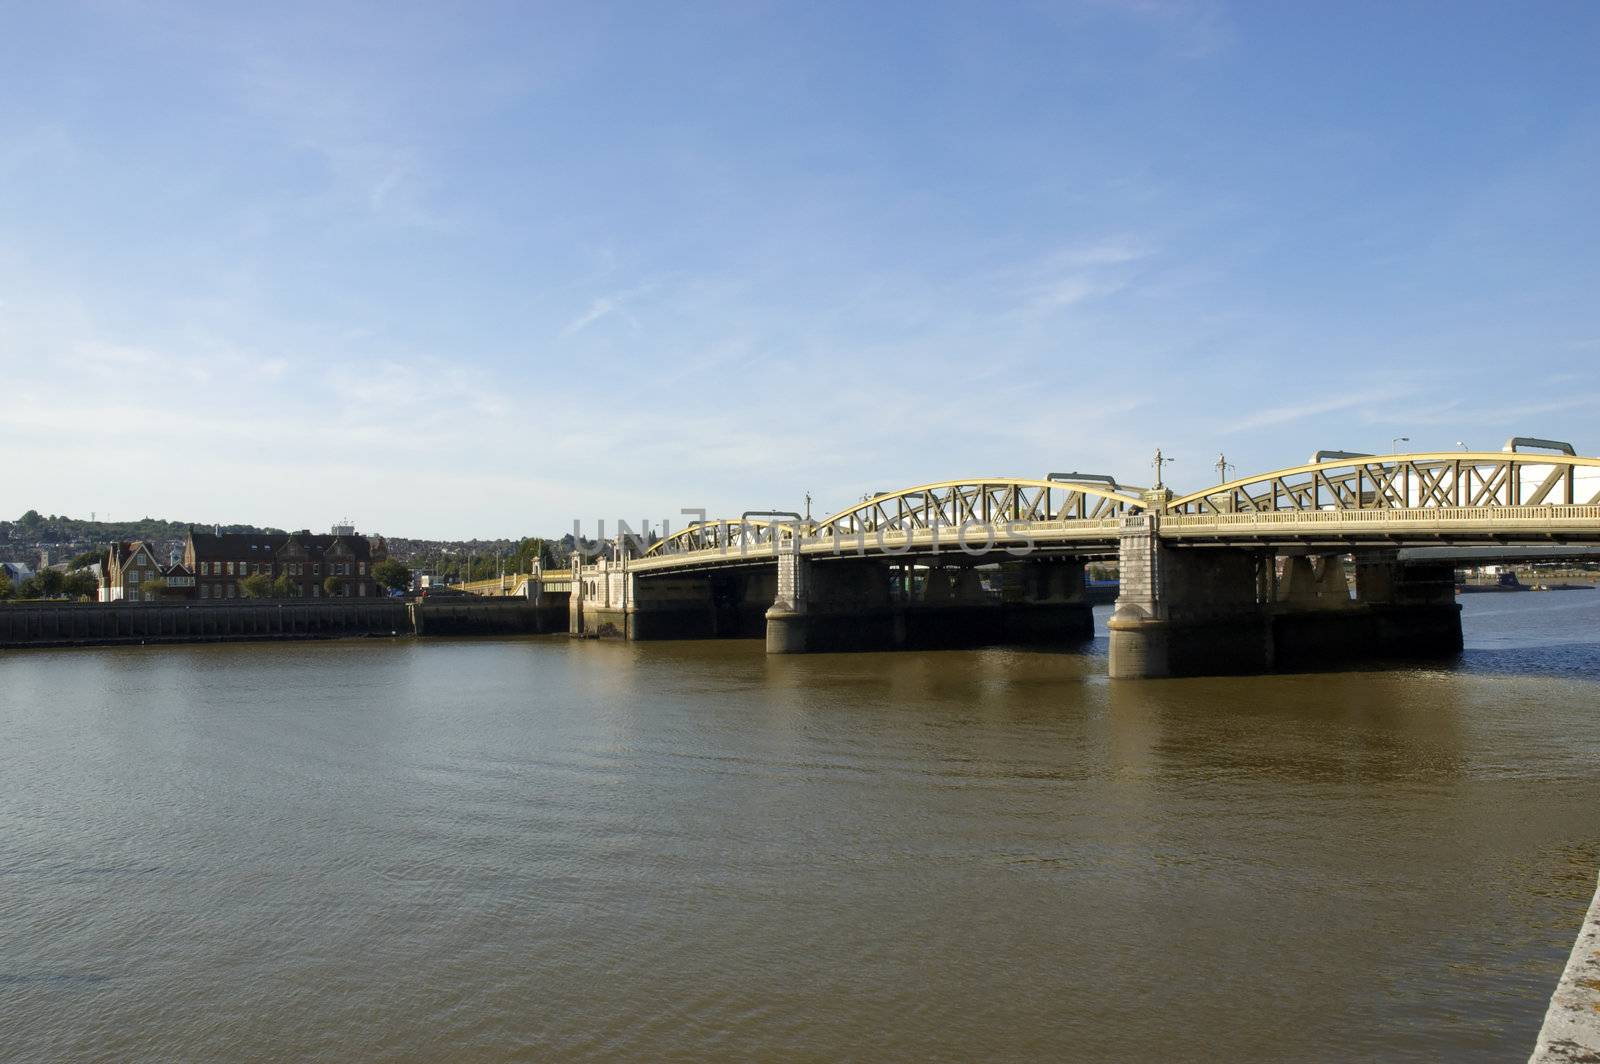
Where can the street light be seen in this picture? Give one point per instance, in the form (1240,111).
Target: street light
(1461,445)
(1394,444)
(1160,463)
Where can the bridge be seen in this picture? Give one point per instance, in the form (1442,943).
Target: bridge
(1247,575)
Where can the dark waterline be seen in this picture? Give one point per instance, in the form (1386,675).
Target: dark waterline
(541,849)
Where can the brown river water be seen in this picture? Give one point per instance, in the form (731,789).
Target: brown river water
(538,849)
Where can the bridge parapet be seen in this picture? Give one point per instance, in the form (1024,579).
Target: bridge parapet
(1534,524)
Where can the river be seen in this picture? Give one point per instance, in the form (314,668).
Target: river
(542,849)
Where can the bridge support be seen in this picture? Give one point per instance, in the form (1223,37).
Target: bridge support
(874,604)
(788,616)
(610,601)
(576,597)
(1187,612)
(1400,611)
(1044,602)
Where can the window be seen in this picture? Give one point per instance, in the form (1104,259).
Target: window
(133,576)
(316,569)
(230,568)
(205,591)
(361,567)
(230,591)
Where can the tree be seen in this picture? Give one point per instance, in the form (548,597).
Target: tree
(81,585)
(46,583)
(392,575)
(156,586)
(6,590)
(256,586)
(332,585)
(283,587)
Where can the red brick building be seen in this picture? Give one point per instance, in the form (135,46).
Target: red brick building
(309,566)
(128,572)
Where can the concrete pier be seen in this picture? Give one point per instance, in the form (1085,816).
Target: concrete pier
(611,602)
(1571,1031)
(862,604)
(1190,611)
(1187,612)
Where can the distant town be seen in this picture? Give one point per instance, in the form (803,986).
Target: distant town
(57,557)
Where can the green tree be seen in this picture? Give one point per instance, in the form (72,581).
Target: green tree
(391,575)
(86,559)
(81,585)
(283,587)
(6,590)
(46,583)
(256,586)
(156,585)
(332,585)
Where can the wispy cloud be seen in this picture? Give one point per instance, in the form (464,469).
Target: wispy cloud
(1082,272)
(1287,413)
(605,306)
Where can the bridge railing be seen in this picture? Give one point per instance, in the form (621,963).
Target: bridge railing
(1552,517)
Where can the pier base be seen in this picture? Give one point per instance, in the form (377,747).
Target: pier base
(851,604)
(1187,611)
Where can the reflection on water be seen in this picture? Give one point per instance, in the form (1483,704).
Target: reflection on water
(539,849)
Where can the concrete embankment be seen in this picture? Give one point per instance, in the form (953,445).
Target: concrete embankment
(1571,1031)
(57,624)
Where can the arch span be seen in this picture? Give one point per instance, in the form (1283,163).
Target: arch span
(723,534)
(979,500)
(1430,480)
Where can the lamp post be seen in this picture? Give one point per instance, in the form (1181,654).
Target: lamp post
(1160,462)
(1394,444)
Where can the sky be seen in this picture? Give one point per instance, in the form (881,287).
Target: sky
(454,270)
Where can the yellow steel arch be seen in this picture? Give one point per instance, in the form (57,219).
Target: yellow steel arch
(981,499)
(693,537)
(1425,480)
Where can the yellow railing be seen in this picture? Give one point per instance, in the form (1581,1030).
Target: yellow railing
(1555,516)
(511,583)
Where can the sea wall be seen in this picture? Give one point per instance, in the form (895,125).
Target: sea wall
(100,623)
(1571,1031)
(56,624)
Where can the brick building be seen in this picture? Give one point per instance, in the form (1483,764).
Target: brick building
(313,566)
(128,572)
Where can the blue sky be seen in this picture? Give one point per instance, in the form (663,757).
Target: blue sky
(457,270)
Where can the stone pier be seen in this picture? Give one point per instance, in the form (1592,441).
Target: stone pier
(846,604)
(1201,610)
(609,601)
(1188,611)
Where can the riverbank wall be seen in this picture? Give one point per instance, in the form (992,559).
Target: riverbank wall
(1571,1031)
(59,624)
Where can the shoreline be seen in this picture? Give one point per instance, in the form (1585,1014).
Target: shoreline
(1571,1031)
